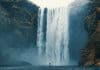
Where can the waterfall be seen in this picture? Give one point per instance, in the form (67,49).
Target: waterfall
(55,48)
(40,33)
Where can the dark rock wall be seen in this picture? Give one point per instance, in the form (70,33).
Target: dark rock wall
(78,35)
(91,53)
(18,25)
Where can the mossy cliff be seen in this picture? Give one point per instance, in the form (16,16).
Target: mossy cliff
(90,55)
(18,17)
(18,25)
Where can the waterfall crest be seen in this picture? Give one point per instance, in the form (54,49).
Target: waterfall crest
(55,48)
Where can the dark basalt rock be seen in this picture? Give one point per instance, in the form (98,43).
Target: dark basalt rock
(18,17)
(18,24)
(88,55)
(91,53)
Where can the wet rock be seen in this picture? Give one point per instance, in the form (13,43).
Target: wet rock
(18,24)
(91,53)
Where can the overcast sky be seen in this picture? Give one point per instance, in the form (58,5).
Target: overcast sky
(52,3)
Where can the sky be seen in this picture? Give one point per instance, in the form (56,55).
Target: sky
(52,3)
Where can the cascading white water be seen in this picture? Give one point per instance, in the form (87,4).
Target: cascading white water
(57,36)
(57,52)
(40,34)
(54,50)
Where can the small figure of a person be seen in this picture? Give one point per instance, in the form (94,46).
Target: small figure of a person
(49,64)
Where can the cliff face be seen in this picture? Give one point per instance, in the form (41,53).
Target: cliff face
(19,17)
(90,54)
(18,24)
